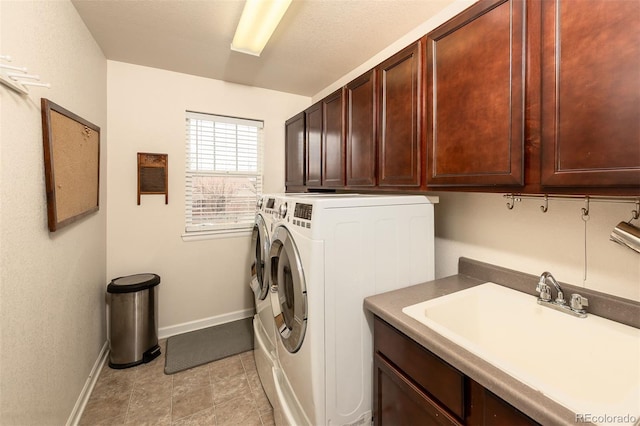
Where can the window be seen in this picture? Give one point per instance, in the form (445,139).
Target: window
(223,172)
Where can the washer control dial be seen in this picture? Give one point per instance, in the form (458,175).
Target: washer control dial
(283,210)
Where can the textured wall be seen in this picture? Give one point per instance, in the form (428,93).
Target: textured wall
(481,227)
(201,280)
(51,285)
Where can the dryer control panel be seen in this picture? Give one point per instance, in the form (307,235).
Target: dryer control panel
(302,211)
(269,206)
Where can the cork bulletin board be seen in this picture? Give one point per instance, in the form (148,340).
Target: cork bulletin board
(72,165)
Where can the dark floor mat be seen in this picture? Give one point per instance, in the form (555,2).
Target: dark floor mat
(199,347)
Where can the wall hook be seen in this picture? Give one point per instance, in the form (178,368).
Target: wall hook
(14,77)
(585,209)
(545,207)
(635,214)
(511,202)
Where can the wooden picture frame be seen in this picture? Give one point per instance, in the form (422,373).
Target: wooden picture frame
(71,164)
(153,175)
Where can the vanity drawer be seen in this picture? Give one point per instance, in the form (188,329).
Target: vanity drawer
(437,378)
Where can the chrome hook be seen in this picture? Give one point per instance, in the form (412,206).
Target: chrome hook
(585,209)
(545,207)
(512,200)
(635,214)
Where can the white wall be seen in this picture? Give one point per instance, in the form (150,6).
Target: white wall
(479,226)
(202,281)
(51,285)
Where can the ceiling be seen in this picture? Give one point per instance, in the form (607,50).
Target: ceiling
(316,43)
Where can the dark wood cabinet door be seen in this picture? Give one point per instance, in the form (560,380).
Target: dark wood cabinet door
(333,140)
(360,97)
(398,401)
(475,110)
(313,123)
(590,93)
(295,151)
(486,408)
(441,381)
(400,100)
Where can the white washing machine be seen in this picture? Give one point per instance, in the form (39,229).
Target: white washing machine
(327,254)
(264,332)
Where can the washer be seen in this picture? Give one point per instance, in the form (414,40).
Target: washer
(264,333)
(327,254)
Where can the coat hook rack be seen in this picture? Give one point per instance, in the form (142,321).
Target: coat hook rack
(513,197)
(16,78)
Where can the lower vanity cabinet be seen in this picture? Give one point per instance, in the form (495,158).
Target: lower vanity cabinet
(486,408)
(399,401)
(414,386)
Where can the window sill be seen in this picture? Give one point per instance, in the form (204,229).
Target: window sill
(214,235)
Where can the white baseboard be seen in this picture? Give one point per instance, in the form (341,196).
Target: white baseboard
(186,327)
(81,403)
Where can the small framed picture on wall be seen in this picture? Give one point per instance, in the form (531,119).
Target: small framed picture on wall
(153,176)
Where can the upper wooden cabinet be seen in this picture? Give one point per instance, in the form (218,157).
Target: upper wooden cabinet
(333,146)
(295,157)
(534,96)
(400,103)
(590,93)
(360,99)
(316,139)
(475,99)
(313,125)
(383,123)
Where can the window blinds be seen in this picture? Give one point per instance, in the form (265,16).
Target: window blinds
(223,172)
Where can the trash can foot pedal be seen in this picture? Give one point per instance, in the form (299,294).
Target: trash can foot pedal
(151,354)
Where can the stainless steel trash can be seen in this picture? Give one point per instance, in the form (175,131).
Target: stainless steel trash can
(132,325)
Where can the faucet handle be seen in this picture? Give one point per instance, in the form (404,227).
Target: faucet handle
(544,290)
(578,303)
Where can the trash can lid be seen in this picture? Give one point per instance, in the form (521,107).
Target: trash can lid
(131,283)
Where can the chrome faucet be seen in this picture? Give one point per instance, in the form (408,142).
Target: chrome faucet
(546,276)
(578,303)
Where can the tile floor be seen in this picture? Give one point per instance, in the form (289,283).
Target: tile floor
(224,392)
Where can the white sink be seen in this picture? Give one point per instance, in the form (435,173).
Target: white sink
(589,365)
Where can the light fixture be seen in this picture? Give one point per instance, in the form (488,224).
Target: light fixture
(258,21)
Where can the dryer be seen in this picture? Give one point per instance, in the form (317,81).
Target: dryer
(327,254)
(263,322)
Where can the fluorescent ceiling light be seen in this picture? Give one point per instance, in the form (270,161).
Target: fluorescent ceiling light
(258,21)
